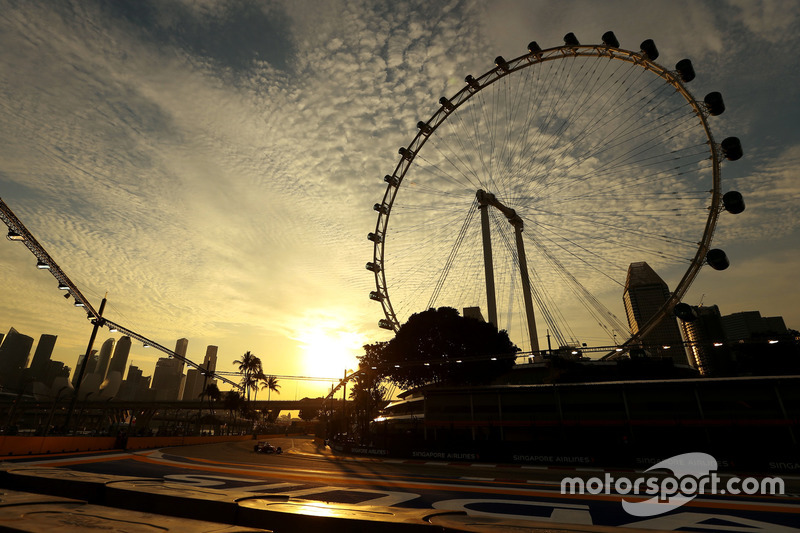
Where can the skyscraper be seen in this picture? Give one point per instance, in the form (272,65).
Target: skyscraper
(180,348)
(91,364)
(645,293)
(14,354)
(705,335)
(210,360)
(120,358)
(196,379)
(41,357)
(105,358)
(167,379)
(746,324)
(135,387)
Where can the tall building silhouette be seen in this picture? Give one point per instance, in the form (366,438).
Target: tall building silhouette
(136,386)
(104,359)
(210,360)
(54,370)
(747,324)
(41,357)
(645,293)
(91,364)
(181,346)
(14,353)
(705,338)
(196,379)
(167,378)
(120,358)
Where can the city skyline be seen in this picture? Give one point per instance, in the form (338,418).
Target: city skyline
(213,167)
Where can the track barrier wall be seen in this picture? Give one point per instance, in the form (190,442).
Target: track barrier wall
(12,446)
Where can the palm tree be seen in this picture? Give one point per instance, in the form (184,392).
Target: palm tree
(258,378)
(213,394)
(250,367)
(233,402)
(270,383)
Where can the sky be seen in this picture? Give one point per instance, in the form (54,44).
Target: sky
(211,166)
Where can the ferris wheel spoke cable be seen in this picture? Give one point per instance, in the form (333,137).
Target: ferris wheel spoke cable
(473,134)
(514,140)
(453,252)
(614,242)
(596,309)
(534,145)
(611,145)
(654,178)
(584,296)
(594,221)
(612,215)
(625,174)
(412,281)
(608,118)
(575,245)
(627,158)
(465,170)
(544,302)
(555,139)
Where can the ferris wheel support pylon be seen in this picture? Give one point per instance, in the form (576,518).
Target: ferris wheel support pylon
(488,264)
(484,201)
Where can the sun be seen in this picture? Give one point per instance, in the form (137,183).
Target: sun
(329,350)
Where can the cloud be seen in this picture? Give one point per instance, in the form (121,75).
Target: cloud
(213,164)
(772,196)
(769,20)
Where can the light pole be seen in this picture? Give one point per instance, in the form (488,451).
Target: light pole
(97,322)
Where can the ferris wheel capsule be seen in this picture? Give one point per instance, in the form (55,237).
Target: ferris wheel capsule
(685,312)
(571,40)
(447,104)
(501,63)
(733,202)
(714,103)
(649,49)
(717,259)
(610,40)
(732,148)
(685,70)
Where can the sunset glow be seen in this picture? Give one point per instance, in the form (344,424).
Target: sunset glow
(329,349)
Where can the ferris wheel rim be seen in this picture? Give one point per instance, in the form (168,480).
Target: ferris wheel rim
(474,86)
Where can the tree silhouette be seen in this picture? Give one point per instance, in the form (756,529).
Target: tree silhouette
(233,402)
(269,384)
(439,345)
(250,367)
(368,392)
(307,414)
(213,394)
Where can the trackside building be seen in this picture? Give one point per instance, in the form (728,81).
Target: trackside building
(743,422)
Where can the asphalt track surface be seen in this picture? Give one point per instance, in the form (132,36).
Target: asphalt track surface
(516,493)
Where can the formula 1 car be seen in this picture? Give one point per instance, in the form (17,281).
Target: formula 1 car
(265,447)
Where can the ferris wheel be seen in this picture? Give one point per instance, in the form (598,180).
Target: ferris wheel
(529,192)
